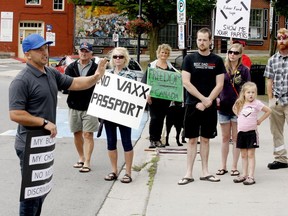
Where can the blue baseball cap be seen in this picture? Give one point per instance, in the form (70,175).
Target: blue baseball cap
(86,46)
(34,41)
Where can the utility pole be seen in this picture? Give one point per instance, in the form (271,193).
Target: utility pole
(139,34)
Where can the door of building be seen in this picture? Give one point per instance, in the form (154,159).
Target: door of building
(26,28)
(22,36)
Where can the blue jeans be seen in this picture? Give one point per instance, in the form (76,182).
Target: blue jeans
(111,133)
(31,207)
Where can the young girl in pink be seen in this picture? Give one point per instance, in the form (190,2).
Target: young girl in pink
(247,107)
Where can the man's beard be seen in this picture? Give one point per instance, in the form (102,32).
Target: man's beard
(283,46)
(203,49)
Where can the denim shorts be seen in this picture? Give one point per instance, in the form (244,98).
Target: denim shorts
(223,118)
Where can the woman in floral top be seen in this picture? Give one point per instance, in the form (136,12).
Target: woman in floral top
(119,62)
(237,74)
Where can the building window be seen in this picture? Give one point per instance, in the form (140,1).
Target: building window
(256,24)
(33,2)
(58,5)
(30,25)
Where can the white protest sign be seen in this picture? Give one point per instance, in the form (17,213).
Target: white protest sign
(232,18)
(119,99)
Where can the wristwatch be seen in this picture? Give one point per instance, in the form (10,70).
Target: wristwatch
(45,123)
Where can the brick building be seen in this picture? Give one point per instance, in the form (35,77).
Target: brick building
(19,18)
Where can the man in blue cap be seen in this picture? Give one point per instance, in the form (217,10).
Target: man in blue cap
(33,100)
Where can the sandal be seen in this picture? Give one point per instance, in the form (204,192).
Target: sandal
(84,169)
(222,172)
(78,165)
(185,181)
(126,179)
(111,177)
(235,173)
(239,179)
(249,181)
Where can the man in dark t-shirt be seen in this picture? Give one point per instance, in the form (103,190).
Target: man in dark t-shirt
(203,78)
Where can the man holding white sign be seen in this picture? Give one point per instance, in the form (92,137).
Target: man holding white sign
(33,100)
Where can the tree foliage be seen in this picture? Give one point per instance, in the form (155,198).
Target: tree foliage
(281,7)
(196,9)
(159,13)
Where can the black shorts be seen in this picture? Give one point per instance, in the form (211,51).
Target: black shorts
(200,123)
(248,139)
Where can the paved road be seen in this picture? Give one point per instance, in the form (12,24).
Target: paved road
(73,193)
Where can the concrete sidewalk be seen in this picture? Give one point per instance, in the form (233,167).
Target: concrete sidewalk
(268,197)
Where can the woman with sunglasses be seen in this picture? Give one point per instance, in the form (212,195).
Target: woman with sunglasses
(119,62)
(237,74)
(158,107)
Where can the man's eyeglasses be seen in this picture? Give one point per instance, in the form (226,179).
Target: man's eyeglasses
(234,52)
(282,37)
(118,56)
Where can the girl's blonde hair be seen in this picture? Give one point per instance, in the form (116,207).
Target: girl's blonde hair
(239,103)
(122,51)
(165,47)
(239,48)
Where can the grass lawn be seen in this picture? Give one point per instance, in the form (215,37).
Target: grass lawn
(259,59)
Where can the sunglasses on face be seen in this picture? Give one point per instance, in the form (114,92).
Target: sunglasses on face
(118,56)
(234,52)
(282,37)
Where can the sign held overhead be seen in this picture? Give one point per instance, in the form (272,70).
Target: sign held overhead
(232,18)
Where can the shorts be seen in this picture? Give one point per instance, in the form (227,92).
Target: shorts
(248,139)
(223,118)
(80,121)
(200,123)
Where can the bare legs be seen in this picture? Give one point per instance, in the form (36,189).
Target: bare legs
(84,144)
(191,155)
(113,156)
(248,162)
(228,130)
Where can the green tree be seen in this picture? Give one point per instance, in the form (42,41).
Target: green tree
(281,7)
(159,13)
(162,12)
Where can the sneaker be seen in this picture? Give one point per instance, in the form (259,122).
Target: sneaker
(277,165)
(152,144)
(249,181)
(159,144)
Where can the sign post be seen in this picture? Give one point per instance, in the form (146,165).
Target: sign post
(181,20)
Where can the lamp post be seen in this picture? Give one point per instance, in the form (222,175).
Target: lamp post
(139,34)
